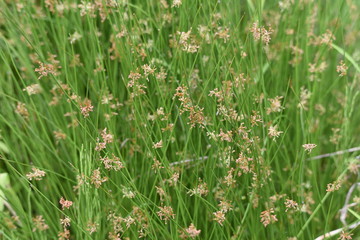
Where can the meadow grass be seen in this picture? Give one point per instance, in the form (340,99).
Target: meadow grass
(179,119)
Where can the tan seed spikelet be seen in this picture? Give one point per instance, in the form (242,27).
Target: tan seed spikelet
(309,147)
(342,69)
(166,213)
(219,217)
(39,224)
(33,89)
(268,217)
(96,178)
(65,203)
(158,144)
(36,174)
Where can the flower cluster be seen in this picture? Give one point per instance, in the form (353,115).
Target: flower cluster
(261,33)
(106,138)
(196,115)
(268,217)
(166,213)
(65,203)
(36,174)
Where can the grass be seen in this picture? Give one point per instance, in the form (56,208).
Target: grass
(161,120)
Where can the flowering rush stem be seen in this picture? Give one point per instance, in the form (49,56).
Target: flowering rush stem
(348,56)
(317,208)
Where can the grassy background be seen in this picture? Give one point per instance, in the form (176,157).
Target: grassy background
(120,37)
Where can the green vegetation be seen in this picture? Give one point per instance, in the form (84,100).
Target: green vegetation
(179,119)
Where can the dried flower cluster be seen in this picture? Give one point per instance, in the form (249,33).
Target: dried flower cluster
(196,115)
(190,232)
(96,178)
(166,213)
(291,204)
(65,203)
(268,217)
(309,147)
(336,185)
(39,224)
(261,33)
(33,89)
(106,138)
(36,174)
(113,163)
(342,69)
(51,68)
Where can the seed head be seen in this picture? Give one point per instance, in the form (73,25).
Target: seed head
(65,203)
(309,147)
(36,174)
